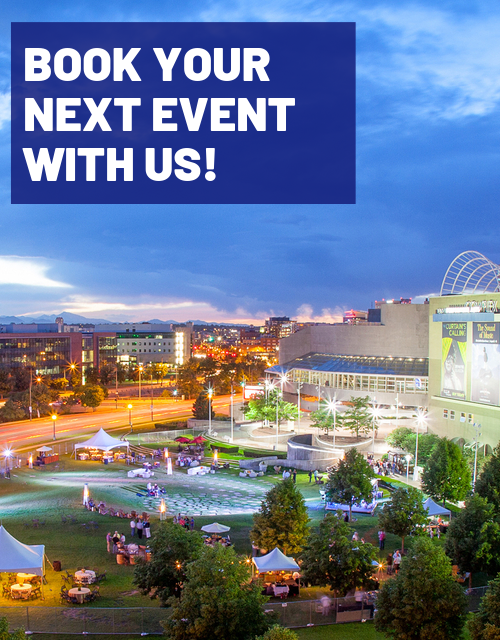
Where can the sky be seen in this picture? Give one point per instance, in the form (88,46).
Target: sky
(428,95)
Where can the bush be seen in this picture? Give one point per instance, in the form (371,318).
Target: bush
(224,449)
(264,454)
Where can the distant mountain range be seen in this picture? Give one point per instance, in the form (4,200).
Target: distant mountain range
(74,318)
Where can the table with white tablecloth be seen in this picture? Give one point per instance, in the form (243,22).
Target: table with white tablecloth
(85,575)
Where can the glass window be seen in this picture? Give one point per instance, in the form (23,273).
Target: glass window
(470,418)
(462,417)
(452,415)
(445,414)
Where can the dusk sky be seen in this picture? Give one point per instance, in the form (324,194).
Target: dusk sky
(428,95)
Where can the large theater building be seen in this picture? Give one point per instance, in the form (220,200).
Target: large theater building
(464,367)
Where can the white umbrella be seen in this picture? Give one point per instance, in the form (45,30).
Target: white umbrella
(44,449)
(215,528)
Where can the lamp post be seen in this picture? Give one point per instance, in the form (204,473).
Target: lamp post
(129,407)
(231,412)
(152,394)
(299,387)
(209,394)
(54,418)
(421,421)
(331,406)
(407,458)
(375,415)
(30,408)
(477,427)
(141,368)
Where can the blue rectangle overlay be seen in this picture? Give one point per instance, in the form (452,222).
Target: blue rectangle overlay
(199,113)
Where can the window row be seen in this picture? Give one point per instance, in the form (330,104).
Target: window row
(449,414)
(360,382)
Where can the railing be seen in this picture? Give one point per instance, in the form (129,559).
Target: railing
(146,621)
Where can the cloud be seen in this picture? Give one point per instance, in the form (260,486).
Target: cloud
(4,108)
(29,272)
(305,313)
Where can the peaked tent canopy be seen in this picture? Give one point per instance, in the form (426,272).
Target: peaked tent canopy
(102,440)
(17,557)
(275,561)
(215,528)
(434,509)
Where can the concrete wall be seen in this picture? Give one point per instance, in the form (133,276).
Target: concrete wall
(403,331)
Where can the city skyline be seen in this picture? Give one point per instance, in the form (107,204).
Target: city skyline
(427,113)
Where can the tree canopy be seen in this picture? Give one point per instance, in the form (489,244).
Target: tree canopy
(403,513)
(262,408)
(405,438)
(90,395)
(447,475)
(324,419)
(218,601)
(488,483)
(357,417)
(423,601)
(282,519)
(485,625)
(330,558)
(202,406)
(5,634)
(349,481)
(172,549)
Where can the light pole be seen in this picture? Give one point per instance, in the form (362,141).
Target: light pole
(299,387)
(375,415)
(477,427)
(209,394)
(407,458)
(152,394)
(232,417)
(54,418)
(129,407)
(140,374)
(30,408)
(421,421)
(331,406)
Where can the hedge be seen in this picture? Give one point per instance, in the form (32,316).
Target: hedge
(224,449)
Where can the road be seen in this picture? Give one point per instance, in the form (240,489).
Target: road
(110,416)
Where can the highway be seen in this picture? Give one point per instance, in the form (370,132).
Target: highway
(110,416)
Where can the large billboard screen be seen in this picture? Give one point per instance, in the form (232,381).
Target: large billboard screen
(454,359)
(485,362)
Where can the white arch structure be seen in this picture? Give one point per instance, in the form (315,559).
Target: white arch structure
(471,272)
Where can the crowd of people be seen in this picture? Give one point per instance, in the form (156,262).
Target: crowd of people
(184,521)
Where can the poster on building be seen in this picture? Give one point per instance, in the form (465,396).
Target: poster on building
(485,362)
(454,351)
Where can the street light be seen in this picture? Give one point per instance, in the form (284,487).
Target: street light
(477,427)
(375,411)
(209,394)
(331,406)
(232,416)
(7,454)
(129,407)
(421,421)
(141,369)
(407,458)
(299,387)
(54,418)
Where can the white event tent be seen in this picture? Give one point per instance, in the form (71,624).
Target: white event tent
(275,561)
(434,509)
(102,440)
(17,557)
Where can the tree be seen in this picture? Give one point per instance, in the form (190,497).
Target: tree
(463,538)
(330,558)
(262,408)
(405,438)
(403,513)
(201,407)
(187,379)
(357,417)
(276,632)
(5,382)
(18,634)
(485,625)
(92,376)
(488,483)
(423,601)
(172,548)
(399,437)
(349,481)
(219,601)
(90,395)
(282,519)
(12,411)
(324,420)
(107,374)
(447,475)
